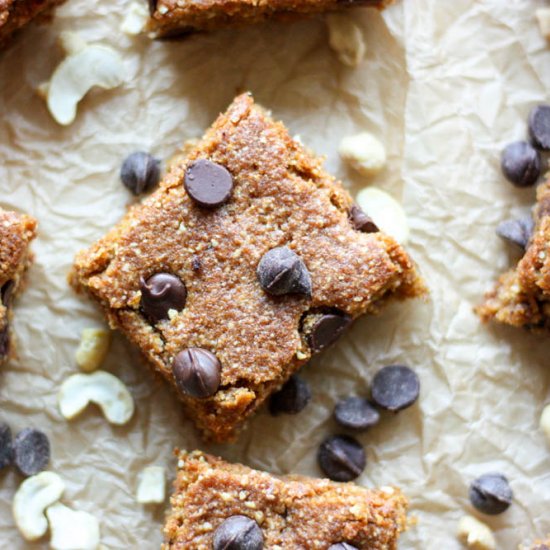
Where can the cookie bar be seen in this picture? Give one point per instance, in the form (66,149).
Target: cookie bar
(15,14)
(246,261)
(16,233)
(214,501)
(175,17)
(521,296)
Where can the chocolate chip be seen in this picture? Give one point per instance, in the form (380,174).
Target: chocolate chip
(238,533)
(6,293)
(356,413)
(152,6)
(517,231)
(539,127)
(140,172)
(196,263)
(395,387)
(197,372)
(342,546)
(31,450)
(208,183)
(491,493)
(291,398)
(4,341)
(161,293)
(341,457)
(326,329)
(361,221)
(282,271)
(520,164)
(6,446)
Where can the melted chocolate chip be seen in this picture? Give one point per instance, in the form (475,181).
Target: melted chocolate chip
(342,546)
(491,493)
(209,184)
(6,446)
(140,172)
(395,387)
(292,398)
(281,271)
(197,372)
(31,449)
(361,221)
(539,127)
(238,533)
(342,458)
(356,413)
(520,163)
(161,293)
(326,329)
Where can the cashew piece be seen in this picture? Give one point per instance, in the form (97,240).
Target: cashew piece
(94,344)
(71,529)
(136,19)
(346,39)
(151,488)
(545,421)
(475,534)
(543,18)
(101,388)
(364,153)
(34,495)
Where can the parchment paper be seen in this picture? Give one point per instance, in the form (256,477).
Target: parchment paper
(445,85)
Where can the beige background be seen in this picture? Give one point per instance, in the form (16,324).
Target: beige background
(445,85)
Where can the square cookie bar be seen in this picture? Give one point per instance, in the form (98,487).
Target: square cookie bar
(16,233)
(215,502)
(246,261)
(174,17)
(521,296)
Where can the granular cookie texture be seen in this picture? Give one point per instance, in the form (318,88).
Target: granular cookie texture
(16,233)
(521,296)
(233,341)
(293,512)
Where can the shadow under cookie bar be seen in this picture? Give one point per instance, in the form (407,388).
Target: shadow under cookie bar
(290,511)
(206,260)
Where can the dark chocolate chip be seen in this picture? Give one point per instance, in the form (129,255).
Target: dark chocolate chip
(291,398)
(208,183)
(491,493)
(395,387)
(31,450)
(342,546)
(282,271)
(238,533)
(196,263)
(517,231)
(6,446)
(152,6)
(326,330)
(520,164)
(361,221)
(4,341)
(341,457)
(161,293)
(356,413)
(140,172)
(197,372)
(6,293)
(539,127)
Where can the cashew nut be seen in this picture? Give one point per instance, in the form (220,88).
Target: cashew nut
(475,534)
(94,344)
(543,17)
(72,530)
(151,488)
(101,388)
(386,212)
(346,39)
(34,495)
(135,20)
(545,421)
(71,42)
(364,153)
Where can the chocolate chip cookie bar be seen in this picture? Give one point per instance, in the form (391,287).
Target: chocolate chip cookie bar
(216,503)
(521,296)
(246,261)
(16,233)
(175,17)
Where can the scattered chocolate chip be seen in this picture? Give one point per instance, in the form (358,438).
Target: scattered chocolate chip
(197,372)
(6,293)
(517,231)
(539,127)
(161,293)
(140,172)
(361,221)
(31,450)
(208,183)
(341,457)
(520,164)
(282,271)
(291,398)
(6,446)
(238,533)
(356,413)
(326,329)
(4,341)
(395,387)
(491,493)
(342,546)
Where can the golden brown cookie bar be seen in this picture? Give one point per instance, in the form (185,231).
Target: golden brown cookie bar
(173,17)
(521,296)
(16,233)
(291,512)
(183,281)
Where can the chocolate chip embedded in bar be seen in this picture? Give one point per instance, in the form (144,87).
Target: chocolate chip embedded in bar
(243,264)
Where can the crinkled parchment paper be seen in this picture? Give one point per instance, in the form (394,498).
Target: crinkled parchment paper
(445,85)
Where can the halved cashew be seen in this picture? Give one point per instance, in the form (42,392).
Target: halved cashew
(475,534)
(101,388)
(364,153)
(72,530)
(346,39)
(151,488)
(136,18)
(94,344)
(32,498)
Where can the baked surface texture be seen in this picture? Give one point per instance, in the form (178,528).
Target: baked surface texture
(281,196)
(174,17)
(293,512)
(16,233)
(521,296)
